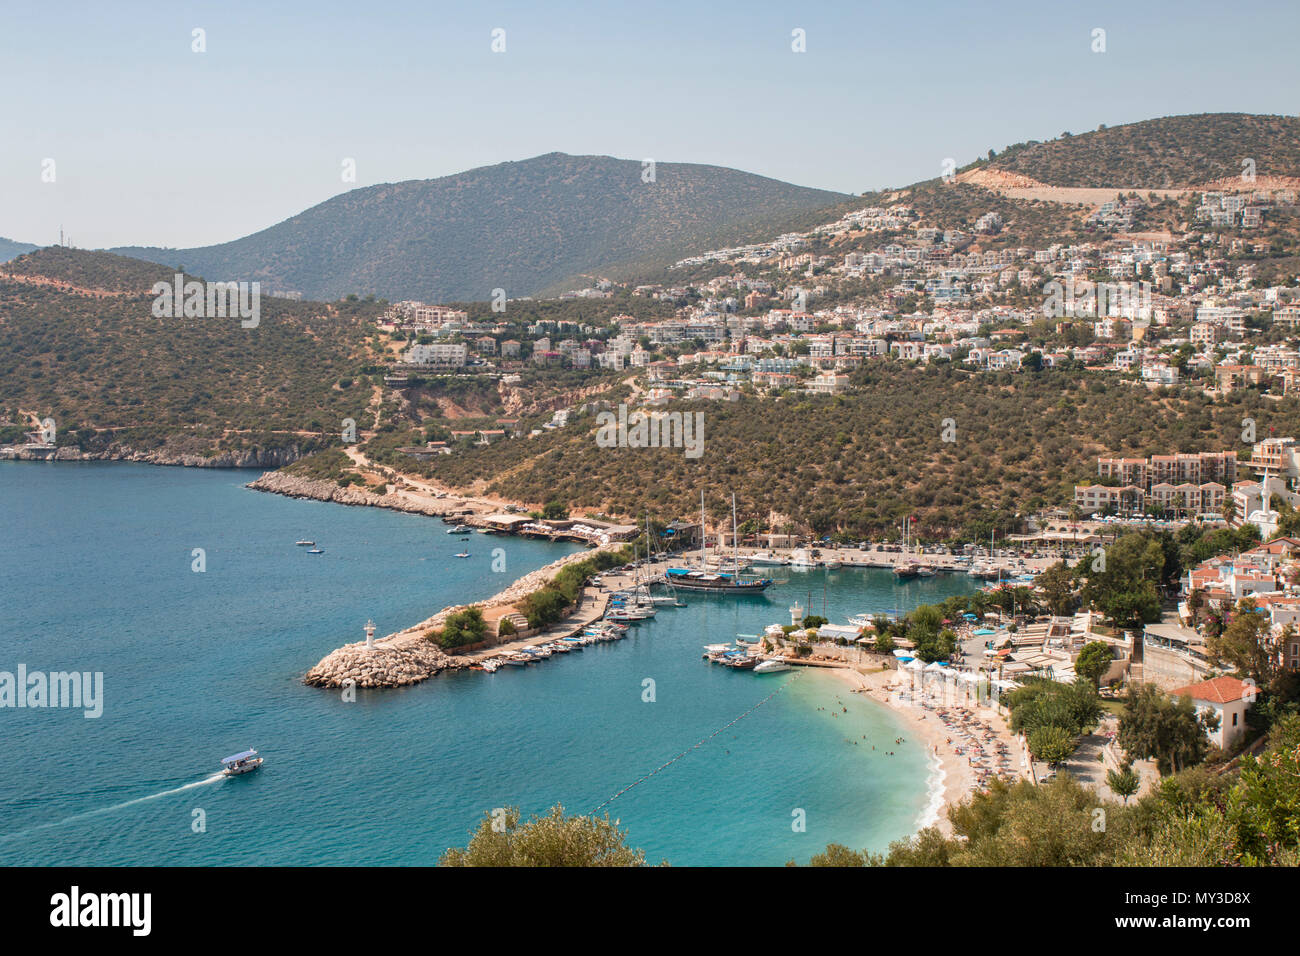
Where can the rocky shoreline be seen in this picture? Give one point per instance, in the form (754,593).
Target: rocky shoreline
(406,657)
(268,458)
(294,486)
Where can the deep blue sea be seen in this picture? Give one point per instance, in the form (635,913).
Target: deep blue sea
(96,574)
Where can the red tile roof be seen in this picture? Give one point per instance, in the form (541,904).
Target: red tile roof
(1221,690)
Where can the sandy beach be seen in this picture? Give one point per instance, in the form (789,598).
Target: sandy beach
(954,779)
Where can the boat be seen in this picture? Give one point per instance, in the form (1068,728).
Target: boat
(491,665)
(692,579)
(460,529)
(767,559)
(772,666)
(316,551)
(236,764)
(535,651)
(905,572)
(832,565)
(305,544)
(463,554)
(518,660)
(924,571)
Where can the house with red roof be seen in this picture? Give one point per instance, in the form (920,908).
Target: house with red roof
(1227,697)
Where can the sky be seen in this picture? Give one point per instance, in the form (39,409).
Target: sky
(115,130)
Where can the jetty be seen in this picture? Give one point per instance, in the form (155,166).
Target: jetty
(407,657)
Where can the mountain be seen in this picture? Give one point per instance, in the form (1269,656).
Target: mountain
(10,249)
(80,344)
(519,226)
(1165,153)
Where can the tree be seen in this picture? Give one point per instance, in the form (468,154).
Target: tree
(1170,731)
(1123,782)
(1124,583)
(1241,643)
(1057,585)
(1093,661)
(552,840)
(1052,744)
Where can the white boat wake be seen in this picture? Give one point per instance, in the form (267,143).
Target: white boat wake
(117,806)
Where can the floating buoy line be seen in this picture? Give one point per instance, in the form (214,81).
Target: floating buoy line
(698,745)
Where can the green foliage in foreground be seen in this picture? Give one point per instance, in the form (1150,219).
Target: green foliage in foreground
(1199,817)
(551,840)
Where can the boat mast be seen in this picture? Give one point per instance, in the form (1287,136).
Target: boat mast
(735,537)
(704,544)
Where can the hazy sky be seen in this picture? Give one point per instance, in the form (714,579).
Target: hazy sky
(154,144)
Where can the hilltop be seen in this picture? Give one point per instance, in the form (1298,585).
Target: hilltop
(1166,153)
(519,226)
(81,345)
(9,249)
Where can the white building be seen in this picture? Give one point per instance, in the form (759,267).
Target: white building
(1228,698)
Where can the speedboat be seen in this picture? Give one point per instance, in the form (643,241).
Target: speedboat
(463,554)
(460,529)
(316,551)
(236,764)
(491,664)
(771,666)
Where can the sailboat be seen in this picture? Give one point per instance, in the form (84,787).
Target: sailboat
(724,582)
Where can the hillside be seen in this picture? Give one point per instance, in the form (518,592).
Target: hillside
(858,463)
(519,226)
(81,345)
(1170,152)
(10,249)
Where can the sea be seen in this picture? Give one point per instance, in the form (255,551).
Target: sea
(186,593)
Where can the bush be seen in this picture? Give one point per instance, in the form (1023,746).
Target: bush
(462,628)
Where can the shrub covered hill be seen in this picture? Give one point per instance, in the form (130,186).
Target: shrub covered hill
(519,226)
(80,344)
(857,463)
(1165,153)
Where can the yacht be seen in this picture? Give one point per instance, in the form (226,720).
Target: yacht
(460,529)
(772,666)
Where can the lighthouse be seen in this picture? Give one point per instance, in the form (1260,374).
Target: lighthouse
(370,635)
(796,614)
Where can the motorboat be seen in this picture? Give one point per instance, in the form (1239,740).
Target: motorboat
(305,544)
(460,529)
(463,554)
(316,551)
(772,666)
(236,764)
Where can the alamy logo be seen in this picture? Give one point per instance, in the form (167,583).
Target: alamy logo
(72,689)
(208,300)
(645,430)
(74,908)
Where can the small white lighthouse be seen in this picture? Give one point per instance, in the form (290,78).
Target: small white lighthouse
(370,635)
(796,614)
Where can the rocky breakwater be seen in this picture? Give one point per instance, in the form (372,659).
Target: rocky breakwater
(407,656)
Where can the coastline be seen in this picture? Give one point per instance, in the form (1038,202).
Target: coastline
(270,458)
(952,779)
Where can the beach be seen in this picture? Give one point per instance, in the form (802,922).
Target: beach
(953,779)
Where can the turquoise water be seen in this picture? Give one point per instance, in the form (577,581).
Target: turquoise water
(96,573)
